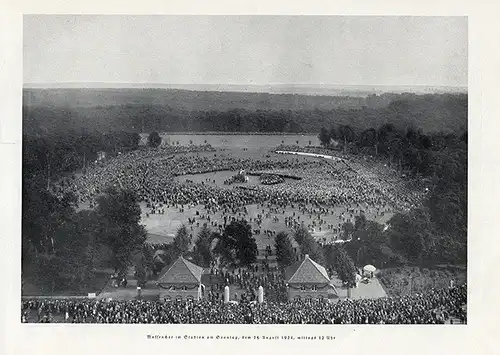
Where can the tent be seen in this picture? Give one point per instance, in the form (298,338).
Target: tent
(369,269)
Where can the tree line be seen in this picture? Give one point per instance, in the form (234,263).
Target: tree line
(431,234)
(51,155)
(438,159)
(198,101)
(431,113)
(408,149)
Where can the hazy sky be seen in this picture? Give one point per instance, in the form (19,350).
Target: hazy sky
(246,50)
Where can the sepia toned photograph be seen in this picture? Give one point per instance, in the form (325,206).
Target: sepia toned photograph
(181,169)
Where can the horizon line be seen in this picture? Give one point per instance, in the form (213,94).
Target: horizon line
(235,84)
(270,89)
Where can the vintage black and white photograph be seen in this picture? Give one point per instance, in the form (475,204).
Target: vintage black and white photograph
(181,169)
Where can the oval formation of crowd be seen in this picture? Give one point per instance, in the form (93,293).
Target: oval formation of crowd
(351,182)
(355,184)
(433,307)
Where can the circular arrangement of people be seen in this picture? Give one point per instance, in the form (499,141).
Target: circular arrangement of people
(235,229)
(244,170)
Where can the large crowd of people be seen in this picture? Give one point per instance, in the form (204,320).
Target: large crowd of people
(343,183)
(271,179)
(437,306)
(150,173)
(401,192)
(245,283)
(326,194)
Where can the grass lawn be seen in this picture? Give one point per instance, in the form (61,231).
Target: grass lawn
(162,227)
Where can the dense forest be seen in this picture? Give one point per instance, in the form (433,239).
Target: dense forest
(433,233)
(198,100)
(50,111)
(56,154)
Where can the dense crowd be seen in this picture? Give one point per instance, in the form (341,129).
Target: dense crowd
(435,307)
(247,281)
(236,179)
(396,188)
(271,179)
(327,183)
(328,193)
(154,167)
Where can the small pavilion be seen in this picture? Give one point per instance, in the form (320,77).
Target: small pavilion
(181,280)
(306,279)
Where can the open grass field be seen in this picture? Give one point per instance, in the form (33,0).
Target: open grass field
(162,227)
(250,141)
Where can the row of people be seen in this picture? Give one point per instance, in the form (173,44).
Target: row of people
(434,307)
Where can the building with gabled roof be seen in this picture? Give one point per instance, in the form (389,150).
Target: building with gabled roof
(181,280)
(306,279)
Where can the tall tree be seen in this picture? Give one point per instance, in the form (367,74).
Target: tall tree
(181,240)
(119,225)
(397,149)
(324,137)
(141,273)
(344,266)
(308,245)
(333,133)
(346,133)
(202,251)
(312,248)
(284,250)
(301,234)
(359,222)
(384,136)
(154,140)
(411,233)
(372,246)
(347,230)
(147,258)
(76,246)
(368,138)
(236,245)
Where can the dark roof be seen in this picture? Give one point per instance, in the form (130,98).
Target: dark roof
(306,271)
(181,271)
